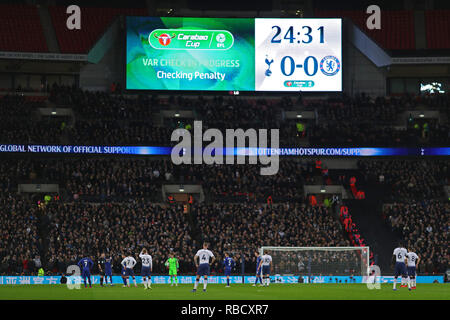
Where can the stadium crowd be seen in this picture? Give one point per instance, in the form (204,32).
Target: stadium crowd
(20,245)
(403,180)
(223,113)
(113,201)
(112,204)
(244,183)
(425,227)
(121,179)
(365,121)
(117,228)
(102,118)
(118,133)
(17,125)
(241,228)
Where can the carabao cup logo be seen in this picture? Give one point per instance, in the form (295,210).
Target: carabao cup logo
(164,39)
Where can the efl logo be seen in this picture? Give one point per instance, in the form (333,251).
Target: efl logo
(164,39)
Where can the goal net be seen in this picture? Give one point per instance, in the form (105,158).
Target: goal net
(319,261)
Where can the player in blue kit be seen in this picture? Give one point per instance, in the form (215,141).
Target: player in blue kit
(124,276)
(108,270)
(85,265)
(228,264)
(258,269)
(124,273)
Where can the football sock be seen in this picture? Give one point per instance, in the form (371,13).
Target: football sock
(228,282)
(196,284)
(395,283)
(101,281)
(205,283)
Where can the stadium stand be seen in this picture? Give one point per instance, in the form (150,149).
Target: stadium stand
(21,125)
(20,245)
(108,194)
(424,227)
(115,204)
(110,119)
(404,179)
(397,32)
(24,34)
(436,22)
(237,228)
(123,227)
(95,22)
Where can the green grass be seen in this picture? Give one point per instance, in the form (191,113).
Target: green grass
(219,292)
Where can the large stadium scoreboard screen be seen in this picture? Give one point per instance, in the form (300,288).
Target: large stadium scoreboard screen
(224,54)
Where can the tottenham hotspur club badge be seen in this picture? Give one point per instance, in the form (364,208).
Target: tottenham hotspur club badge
(268,72)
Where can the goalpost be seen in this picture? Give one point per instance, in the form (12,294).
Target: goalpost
(319,261)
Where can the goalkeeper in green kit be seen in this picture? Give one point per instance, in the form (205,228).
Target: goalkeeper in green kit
(172,264)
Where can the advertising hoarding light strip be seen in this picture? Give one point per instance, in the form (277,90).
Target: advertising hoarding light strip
(154,150)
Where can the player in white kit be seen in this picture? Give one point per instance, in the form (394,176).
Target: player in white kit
(266,263)
(203,266)
(128,263)
(146,269)
(400,266)
(412,263)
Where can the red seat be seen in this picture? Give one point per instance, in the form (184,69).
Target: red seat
(397,27)
(437,29)
(21,29)
(94,22)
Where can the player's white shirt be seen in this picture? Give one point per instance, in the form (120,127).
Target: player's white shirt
(412,259)
(266,259)
(400,254)
(204,255)
(128,262)
(146,260)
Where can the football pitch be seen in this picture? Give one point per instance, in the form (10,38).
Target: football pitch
(219,292)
